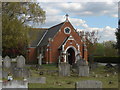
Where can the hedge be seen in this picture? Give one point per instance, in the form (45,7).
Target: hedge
(107,59)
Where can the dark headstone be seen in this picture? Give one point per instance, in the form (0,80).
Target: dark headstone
(41,73)
(108,65)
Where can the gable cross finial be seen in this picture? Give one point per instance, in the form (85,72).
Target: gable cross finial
(66,17)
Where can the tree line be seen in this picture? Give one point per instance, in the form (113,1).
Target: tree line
(16,17)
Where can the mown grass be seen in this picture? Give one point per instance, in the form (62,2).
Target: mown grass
(56,81)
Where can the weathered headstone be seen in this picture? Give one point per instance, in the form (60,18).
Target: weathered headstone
(21,62)
(0,84)
(0,61)
(7,62)
(88,85)
(83,71)
(21,72)
(37,80)
(64,69)
(0,74)
(17,58)
(22,85)
(4,74)
(83,68)
(0,67)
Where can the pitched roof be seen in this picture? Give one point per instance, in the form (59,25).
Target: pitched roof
(50,34)
(60,47)
(35,35)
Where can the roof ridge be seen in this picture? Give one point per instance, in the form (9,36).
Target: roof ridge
(39,28)
(56,25)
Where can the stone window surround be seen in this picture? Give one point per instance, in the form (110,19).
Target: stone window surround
(65,31)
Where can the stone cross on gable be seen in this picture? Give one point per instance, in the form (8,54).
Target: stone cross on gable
(66,17)
(40,59)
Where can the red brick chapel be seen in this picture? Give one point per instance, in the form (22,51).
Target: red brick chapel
(59,43)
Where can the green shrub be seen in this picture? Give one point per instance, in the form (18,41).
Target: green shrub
(107,59)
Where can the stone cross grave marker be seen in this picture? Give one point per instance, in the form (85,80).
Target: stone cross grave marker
(64,69)
(21,62)
(88,85)
(7,62)
(40,59)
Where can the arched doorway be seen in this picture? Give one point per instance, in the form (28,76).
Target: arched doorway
(71,56)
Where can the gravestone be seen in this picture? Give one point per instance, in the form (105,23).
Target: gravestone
(0,84)
(0,74)
(82,68)
(21,62)
(88,85)
(0,61)
(4,74)
(37,80)
(22,85)
(7,62)
(21,72)
(0,67)
(64,69)
(17,58)
(83,71)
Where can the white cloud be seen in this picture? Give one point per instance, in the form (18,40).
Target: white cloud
(109,1)
(55,14)
(106,33)
(81,8)
(51,11)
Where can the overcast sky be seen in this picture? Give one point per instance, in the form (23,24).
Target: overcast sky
(86,16)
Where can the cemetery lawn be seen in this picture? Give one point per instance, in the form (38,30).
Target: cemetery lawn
(53,80)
